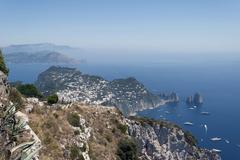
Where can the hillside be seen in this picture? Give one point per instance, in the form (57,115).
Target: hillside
(129,95)
(39,57)
(102,129)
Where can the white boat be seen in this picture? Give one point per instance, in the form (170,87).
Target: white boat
(167,112)
(188,123)
(161,116)
(191,108)
(216,150)
(216,139)
(194,106)
(206,128)
(227,141)
(205,113)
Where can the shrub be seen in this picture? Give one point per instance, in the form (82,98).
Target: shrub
(16,97)
(52,99)
(75,153)
(47,139)
(123,128)
(84,148)
(55,115)
(127,149)
(76,132)
(109,137)
(190,138)
(3,66)
(74,119)
(29,90)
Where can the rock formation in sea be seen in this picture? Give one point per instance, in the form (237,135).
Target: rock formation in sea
(196,100)
(172,96)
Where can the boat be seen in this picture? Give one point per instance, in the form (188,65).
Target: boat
(161,116)
(227,141)
(216,150)
(191,108)
(167,112)
(205,113)
(216,139)
(206,128)
(194,106)
(188,123)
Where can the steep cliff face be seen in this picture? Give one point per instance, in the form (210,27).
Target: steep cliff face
(102,128)
(196,100)
(17,139)
(162,140)
(4,87)
(71,85)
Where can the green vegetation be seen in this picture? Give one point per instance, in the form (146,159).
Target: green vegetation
(75,153)
(29,90)
(3,66)
(76,132)
(16,97)
(127,149)
(190,138)
(52,99)
(122,127)
(11,131)
(74,119)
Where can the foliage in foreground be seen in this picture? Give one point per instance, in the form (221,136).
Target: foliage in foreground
(52,99)
(74,119)
(15,97)
(3,66)
(10,130)
(127,149)
(29,90)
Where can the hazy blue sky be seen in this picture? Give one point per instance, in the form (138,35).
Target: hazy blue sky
(167,25)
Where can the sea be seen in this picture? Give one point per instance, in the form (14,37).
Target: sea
(218,81)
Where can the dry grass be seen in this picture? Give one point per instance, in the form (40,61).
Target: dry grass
(53,129)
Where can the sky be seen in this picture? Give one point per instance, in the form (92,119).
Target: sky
(166,25)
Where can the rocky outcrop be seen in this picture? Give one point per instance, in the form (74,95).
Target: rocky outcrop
(172,96)
(17,139)
(4,87)
(196,100)
(102,128)
(129,95)
(161,140)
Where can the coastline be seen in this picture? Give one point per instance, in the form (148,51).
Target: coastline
(161,103)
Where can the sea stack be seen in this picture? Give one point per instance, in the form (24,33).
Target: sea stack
(195,100)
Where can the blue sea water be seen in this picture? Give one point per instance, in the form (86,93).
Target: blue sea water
(218,82)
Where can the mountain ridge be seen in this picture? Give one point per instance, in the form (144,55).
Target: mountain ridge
(129,95)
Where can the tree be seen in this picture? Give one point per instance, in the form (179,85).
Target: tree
(52,99)
(29,90)
(3,66)
(127,149)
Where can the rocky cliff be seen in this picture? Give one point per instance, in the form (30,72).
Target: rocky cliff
(160,140)
(196,100)
(71,85)
(4,87)
(100,131)
(17,139)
